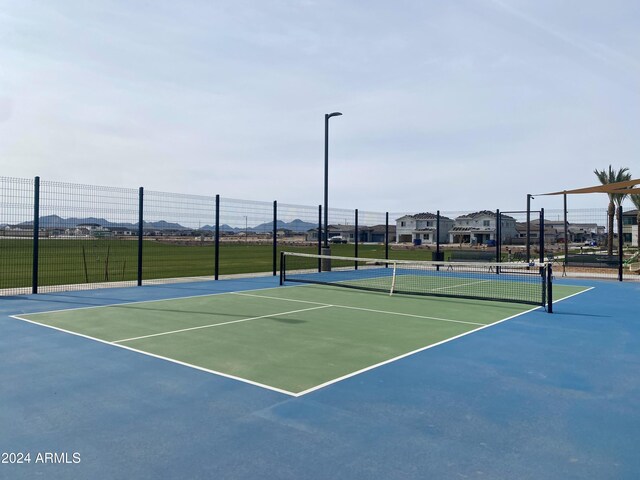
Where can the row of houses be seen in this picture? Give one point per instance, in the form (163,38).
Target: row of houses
(480,228)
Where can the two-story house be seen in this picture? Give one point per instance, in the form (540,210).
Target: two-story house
(422,227)
(479,228)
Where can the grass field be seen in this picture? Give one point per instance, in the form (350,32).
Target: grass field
(64,262)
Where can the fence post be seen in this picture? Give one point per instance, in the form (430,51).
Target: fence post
(319,237)
(498,236)
(528,228)
(541,235)
(566,230)
(36,234)
(438,236)
(217,239)
(386,238)
(275,236)
(140,232)
(356,233)
(620,243)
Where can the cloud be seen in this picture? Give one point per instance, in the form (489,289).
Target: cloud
(446,105)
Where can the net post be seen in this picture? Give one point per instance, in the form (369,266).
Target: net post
(216,261)
(356,238)
(620,243)
(36,234)
(140,232)
(282,268)
(549,286)
(319,237)
(275,237)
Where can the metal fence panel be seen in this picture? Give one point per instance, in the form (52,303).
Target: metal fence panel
(87,236)
(16,235)
(178,236)
(246,236)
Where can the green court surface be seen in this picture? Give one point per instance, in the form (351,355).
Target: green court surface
(290,339)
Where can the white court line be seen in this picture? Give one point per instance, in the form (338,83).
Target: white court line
(574,294)
(404,355)
(364,309)
(167,359)
(408,354)
(219,324)
(265,386)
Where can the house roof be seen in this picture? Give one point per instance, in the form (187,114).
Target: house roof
(483,213)
(380,228)
(424,216)
(349,228)
(459,229)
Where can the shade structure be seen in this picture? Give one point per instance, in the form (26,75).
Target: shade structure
(625,187)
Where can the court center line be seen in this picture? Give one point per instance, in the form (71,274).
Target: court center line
(363,309)
(219,324)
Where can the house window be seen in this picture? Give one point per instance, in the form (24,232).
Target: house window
(629,220)
(403,224)
(486,223)
(626,237)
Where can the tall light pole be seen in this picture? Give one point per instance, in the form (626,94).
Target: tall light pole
(327,116)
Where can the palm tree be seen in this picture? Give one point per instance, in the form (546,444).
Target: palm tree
(606,177)
(636,201)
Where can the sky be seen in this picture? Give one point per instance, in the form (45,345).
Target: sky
(456,105)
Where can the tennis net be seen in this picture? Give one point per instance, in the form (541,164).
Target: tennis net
(508,282)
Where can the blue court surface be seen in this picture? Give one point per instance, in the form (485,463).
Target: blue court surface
(538,396)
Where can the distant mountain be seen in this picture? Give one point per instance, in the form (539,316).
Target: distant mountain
(296,225)
(223,228)
(55,221)
(162,225)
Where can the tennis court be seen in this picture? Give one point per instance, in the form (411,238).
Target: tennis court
(296,339)
(319,381)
